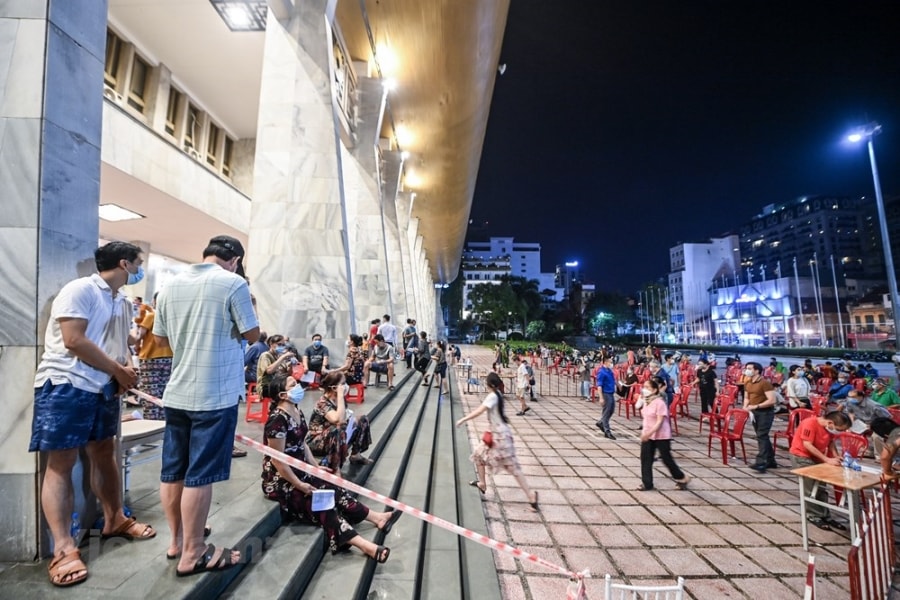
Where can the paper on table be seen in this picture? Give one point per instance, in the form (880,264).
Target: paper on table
(322,500)
(308,377)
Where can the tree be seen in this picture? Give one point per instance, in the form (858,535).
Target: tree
(535,330)
(606,312)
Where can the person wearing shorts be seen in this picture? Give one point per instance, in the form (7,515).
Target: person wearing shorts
(380,361)
(197,315)
(76,402)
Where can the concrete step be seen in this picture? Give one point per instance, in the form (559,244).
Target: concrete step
(295,552)
(349,576)
(239,515)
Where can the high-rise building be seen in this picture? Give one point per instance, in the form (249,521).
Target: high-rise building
(487,262)
(694,267)
(567,274)
(813,226)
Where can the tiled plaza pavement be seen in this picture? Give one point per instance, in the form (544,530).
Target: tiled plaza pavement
(732,534)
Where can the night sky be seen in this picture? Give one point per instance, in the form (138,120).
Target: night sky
(622,128)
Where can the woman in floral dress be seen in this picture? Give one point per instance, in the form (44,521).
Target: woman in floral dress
(501,453)
(327,436)
(292,489)
(355,361)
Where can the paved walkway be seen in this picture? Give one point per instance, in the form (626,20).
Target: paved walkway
(732,534)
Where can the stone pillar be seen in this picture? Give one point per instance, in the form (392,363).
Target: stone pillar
(364,210)
(392,237)
(51,94)
(298,257)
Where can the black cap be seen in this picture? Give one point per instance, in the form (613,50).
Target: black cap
(229,243)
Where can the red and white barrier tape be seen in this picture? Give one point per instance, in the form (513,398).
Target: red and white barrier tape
(419,514)
(574,592)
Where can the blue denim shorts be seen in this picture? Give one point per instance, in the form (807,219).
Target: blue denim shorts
(197,445)
(66,417)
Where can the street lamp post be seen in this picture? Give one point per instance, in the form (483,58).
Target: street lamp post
(868,132)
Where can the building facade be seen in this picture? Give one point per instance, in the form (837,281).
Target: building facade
(487,262)
(694,268)
(278,123)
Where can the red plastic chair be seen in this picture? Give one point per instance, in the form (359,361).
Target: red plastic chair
(356,394)
(895,415)
(797,415)
(823,384)
(257,408)
(731,432)
(818,403)
(629,401)
(853,443)
(673,413)
(555,366)
(721,405)
(683,409)
(859,384)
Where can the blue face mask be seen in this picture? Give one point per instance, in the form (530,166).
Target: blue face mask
(317,343)
(295,394)
(279,349)
(134,278)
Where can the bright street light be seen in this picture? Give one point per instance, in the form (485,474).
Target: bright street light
(868,132)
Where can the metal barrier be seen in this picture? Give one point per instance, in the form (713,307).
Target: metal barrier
(871,558)
(546,384)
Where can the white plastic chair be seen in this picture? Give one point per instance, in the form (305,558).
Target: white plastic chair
(622,591)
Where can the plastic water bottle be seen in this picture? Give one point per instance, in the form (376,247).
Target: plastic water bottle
(76,527)
(847,463)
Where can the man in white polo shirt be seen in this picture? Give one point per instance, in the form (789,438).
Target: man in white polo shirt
(76,401)
(202,314)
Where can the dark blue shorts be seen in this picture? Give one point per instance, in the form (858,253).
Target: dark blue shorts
(66,417)
(379,367)
(197,445)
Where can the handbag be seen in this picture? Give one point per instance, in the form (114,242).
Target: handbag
(488,438)
(531,381)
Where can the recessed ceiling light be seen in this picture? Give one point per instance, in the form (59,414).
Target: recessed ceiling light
(242,15)
(114,212)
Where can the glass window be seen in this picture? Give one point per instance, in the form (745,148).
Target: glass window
(212,144)
(192,126)
(113,55)
(226,156)
(172,110)
(137,87)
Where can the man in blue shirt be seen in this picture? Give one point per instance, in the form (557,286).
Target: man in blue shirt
(606,383)
(251,357)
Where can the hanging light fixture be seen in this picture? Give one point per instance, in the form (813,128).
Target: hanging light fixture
(242,15)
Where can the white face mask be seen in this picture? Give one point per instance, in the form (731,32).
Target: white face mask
(646,393)
(748,372)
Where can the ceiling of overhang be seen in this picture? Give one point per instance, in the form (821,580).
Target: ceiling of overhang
(446,54)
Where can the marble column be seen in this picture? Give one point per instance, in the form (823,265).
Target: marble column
(396,277)
(298,259)
(51,94)
(363,200)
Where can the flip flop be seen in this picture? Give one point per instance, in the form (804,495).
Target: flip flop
(66,565)
(477,484)
(683,484)
(382,553)
(203,566)
(395,516)
(238,452)
(124,531)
